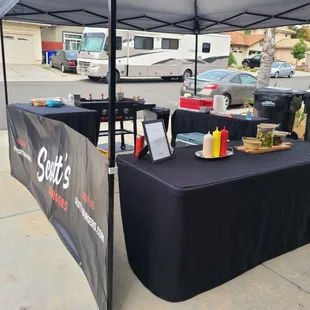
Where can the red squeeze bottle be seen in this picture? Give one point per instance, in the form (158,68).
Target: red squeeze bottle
(139,145)
(224,139)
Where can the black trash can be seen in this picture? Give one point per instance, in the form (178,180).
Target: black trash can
(307,111)
(157,113)
(279,105)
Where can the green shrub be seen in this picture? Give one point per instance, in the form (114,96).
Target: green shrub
(246,69)
(254,70)
(231,60)
(240,68)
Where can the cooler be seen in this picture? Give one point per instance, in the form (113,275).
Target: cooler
(188,139)
(195,103)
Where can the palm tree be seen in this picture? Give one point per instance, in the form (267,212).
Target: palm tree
(267,57)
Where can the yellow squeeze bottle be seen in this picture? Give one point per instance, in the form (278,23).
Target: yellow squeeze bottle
(216,142)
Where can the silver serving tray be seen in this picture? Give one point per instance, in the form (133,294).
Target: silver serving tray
(230,152)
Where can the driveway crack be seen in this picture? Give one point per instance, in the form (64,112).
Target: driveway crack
(299,287)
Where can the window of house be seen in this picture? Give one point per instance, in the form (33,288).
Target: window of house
(8,37)
(206,47)
(170,44)
(72,41)
(143,43)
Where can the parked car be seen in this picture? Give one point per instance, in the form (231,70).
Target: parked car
(234,85)
(66,61)
(282,69)
(253,62)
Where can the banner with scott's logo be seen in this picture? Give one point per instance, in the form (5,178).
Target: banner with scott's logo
(67,176)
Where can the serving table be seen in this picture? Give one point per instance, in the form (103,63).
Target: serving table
(184,121)
(81,120)
(191,225)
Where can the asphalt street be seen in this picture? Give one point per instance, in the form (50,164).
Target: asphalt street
(161,93)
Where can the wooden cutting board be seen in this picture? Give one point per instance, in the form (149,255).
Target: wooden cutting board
(282,147)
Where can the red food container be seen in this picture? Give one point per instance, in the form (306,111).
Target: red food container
(139,145)
(195,103)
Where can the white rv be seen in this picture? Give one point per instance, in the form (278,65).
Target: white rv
(146,54)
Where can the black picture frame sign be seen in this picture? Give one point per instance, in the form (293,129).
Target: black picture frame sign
(157,140)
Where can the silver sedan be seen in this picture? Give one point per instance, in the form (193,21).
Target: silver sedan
(282,69)
(234,85)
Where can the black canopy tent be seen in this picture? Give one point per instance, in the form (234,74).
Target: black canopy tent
(174,16)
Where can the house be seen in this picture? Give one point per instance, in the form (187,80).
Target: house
(61,37)
(284,48)
(22,43)
(245,45)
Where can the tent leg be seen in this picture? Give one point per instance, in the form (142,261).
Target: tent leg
(3,66)
(196,58)
(111,156)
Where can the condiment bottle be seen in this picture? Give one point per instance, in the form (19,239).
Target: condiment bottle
(216,143)
(248,115)
(207,145)
(224,139)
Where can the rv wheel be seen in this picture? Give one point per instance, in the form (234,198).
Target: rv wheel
(187,74)
(107,78)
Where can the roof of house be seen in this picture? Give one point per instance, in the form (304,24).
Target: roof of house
(238,38)
(285,30)
(289,43)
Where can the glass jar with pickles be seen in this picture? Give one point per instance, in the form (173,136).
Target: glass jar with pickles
(265,133)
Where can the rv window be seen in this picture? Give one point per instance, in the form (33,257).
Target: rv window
(119,44)
(92,42)
(143,43)
(206,47)
(170,44)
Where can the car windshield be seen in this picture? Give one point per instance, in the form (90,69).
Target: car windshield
(92,42)
(71,55)
(276,65)
(213,75)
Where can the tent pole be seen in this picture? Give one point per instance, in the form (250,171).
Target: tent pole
(196,57)
(5,83)
(111,153)
(196,31)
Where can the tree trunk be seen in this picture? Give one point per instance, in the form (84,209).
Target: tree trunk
(266,58)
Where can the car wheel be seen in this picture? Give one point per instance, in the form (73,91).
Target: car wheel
(63,68)
(94,78)
(166,78)
(107,78)
(227,99)
(290,75)
(51,64)
(276,75)
(187,74)
(245,64)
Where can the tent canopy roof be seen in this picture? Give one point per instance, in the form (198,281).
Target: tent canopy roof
(175,16)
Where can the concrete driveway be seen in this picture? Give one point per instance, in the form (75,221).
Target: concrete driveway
(37,73)
(37,272)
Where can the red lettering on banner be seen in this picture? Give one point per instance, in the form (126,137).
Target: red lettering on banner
(21,142)
(59,200)
(87,199)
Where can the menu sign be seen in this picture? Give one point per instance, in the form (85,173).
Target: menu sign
(157,140)
(60,169)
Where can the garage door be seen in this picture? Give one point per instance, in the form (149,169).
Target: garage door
(19,49)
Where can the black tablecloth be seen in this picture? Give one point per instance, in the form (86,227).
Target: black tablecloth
(191,225)
(81,120)
(183,121)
